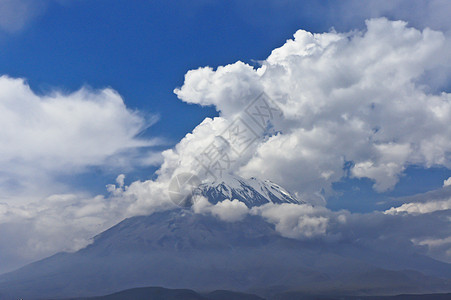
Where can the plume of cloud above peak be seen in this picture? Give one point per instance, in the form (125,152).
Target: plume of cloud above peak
(355,97)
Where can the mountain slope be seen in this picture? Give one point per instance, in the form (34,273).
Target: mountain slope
(180,249)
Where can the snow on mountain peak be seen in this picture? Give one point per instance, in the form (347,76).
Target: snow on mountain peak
(252,191)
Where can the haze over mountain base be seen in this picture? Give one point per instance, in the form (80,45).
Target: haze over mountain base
(182,249)
(218,244)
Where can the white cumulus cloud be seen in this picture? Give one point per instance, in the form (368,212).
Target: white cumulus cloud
(226,210)
(43,136)
(294,220)
(357,97)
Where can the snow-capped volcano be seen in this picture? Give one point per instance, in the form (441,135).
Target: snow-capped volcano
(252,192)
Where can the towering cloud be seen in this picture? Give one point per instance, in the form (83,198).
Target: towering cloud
(353,99)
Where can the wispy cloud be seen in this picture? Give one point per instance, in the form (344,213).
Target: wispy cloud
(16,14)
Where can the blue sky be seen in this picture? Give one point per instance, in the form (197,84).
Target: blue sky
(142,50)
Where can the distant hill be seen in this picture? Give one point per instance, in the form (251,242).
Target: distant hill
(149,293)
(158,293)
